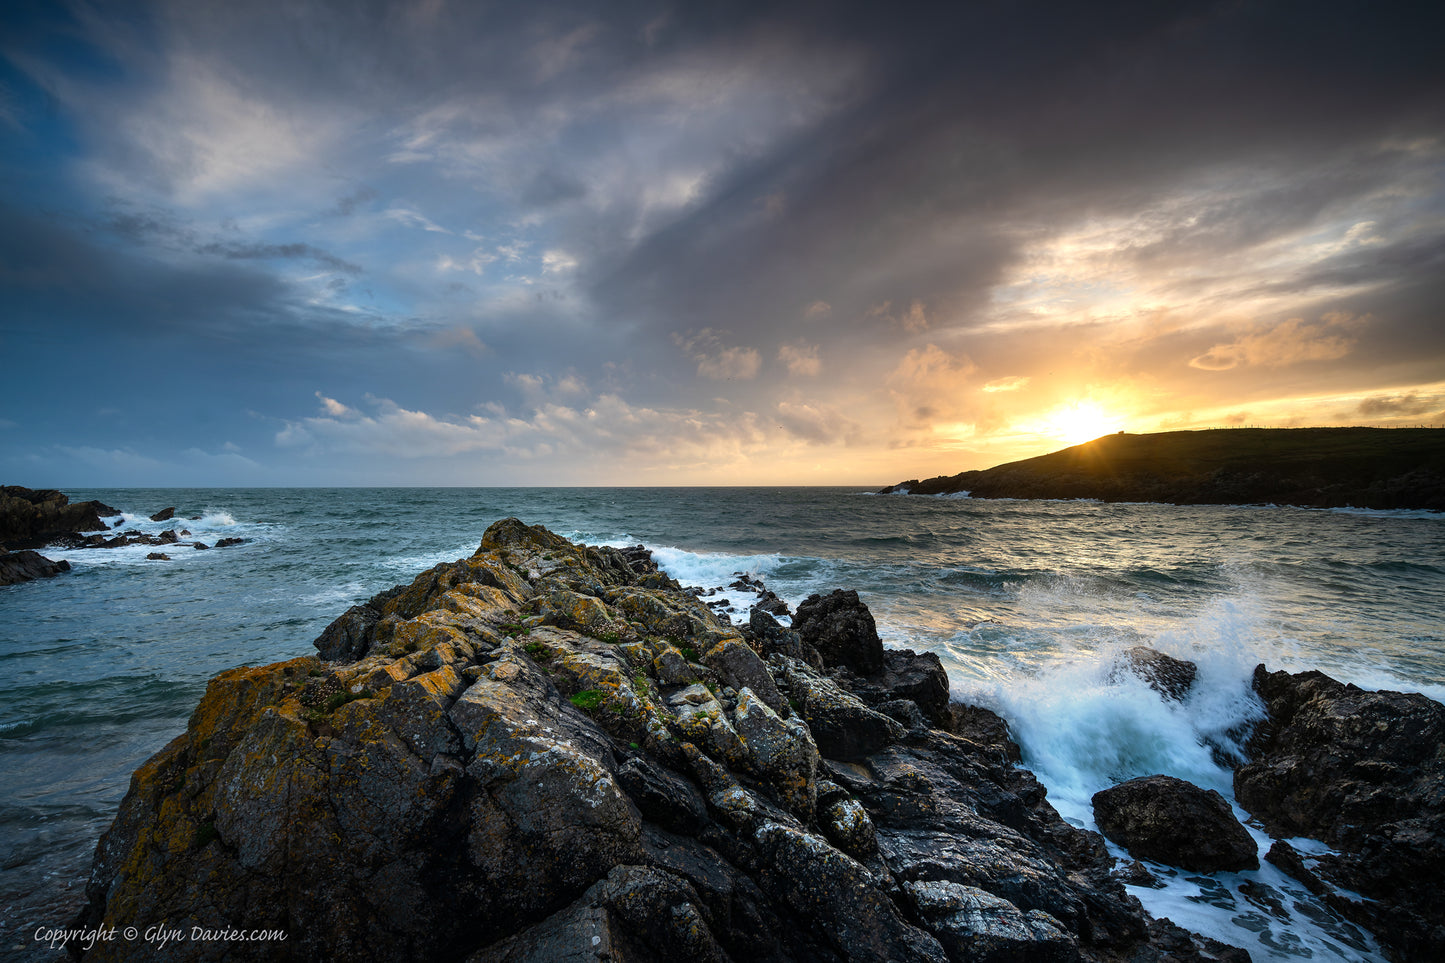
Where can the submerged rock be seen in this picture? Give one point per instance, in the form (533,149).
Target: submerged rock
(550,751)
(1173,821)
(1365,772)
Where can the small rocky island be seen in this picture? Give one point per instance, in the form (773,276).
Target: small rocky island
(551,751)
(1387,468)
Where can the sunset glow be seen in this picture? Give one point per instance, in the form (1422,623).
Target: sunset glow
(1081,421)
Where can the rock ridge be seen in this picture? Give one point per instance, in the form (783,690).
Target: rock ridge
(551,751)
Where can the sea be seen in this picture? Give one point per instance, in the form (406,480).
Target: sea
(1029,604)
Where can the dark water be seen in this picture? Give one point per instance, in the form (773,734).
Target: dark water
(1028,604)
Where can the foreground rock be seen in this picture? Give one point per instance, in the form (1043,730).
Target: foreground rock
(548,751)
(1173,821)
(31,519)
(26,566)
(1364,772)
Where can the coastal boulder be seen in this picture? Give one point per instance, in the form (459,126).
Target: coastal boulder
(1173,821)
(28,565)
(1365,772)
(31,518)
(1170,677)
(164,515)
(842,629)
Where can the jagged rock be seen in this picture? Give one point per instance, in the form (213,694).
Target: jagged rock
(33,518)
(770,637)
(984,727)
(842,629)
(1172,821)
(201,546)
(915,676)
(164,515)
(1170,677)
(227,542)
(25,566)
(842,726)
(168,537)
(463,780)
(158,557)
(771,604)
(976,925)
(1365,772)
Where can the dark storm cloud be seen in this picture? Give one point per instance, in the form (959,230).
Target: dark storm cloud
(255,251)
(980,124)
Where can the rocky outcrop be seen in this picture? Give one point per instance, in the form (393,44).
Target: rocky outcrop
(26,566)
(842,629)
(550,751)
(1365,772)
(1173,821)
(164,515)
(31,519)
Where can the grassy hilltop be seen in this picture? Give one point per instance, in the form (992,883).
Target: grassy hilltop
(1316,467)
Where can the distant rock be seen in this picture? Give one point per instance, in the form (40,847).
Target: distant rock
(229,541)
(1364,772)
(541,753)
(1173,821)
(158,557)
(32,519)
(27,565)
(164,515)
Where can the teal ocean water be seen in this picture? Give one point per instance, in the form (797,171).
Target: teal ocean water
(1029,604)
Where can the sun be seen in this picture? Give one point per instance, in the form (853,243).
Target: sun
(1080,421)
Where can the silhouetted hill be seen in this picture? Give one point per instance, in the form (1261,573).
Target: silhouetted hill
(1316,467)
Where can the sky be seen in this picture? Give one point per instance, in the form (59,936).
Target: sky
(657,243)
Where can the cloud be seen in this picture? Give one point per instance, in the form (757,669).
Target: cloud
(1007,384)
(257,251)
(719,362)
(1286,343)
(606,427)
(410,218)
(1400,406)
(816,424)
(801,359)
(334,408)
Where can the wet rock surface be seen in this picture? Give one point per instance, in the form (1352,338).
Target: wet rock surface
(26,566)
(549,751)
(1173,821)
(31,518)
(1364,772)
